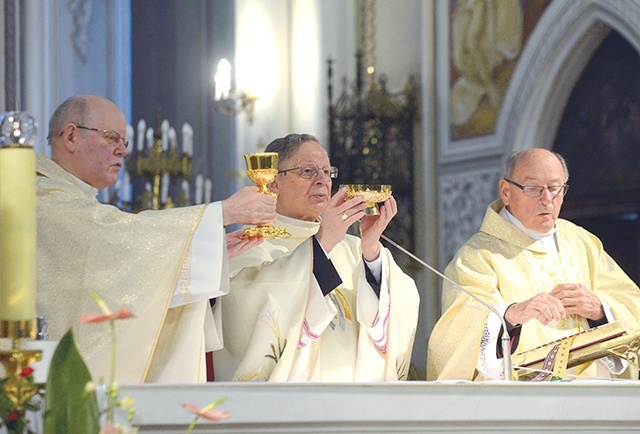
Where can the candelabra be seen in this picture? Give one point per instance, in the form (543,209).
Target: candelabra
(155,165)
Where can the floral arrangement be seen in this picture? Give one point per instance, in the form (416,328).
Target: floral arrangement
(71,403)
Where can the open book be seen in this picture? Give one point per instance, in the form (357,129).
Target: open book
(606,340)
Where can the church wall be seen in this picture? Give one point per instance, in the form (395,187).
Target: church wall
(62,49)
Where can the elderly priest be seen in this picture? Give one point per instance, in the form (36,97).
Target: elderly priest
(164,265)
(321,305)
(550,279)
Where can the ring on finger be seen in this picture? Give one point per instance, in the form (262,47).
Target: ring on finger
(344,216)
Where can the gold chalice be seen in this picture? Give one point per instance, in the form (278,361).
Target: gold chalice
(371,193)
(261,169)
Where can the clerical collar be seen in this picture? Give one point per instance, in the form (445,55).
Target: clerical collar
(546,239)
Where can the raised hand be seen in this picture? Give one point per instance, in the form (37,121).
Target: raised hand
(249,207)
(337,217)
(372,226)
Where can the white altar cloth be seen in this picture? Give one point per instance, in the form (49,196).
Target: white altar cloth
(584,406)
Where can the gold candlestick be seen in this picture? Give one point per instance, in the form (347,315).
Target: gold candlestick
(152,165)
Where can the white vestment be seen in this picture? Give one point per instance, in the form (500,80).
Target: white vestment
(164,266)
(278,325)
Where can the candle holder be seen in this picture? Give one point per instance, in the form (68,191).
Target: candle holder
(17,252)
(152,164)
(18,388)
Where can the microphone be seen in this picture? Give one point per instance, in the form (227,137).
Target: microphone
(504,341)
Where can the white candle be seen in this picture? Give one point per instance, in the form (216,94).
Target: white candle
(17,234)
(222,80)
(149,137)
(142,126)
(199,186)
(129,137)
(164,127)
(187,139)
(125,193)
(147,189)
(207,190)
(173,139)
(185,190)
(106,197)
(164,192)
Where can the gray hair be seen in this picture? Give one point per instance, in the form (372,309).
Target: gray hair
(73,109)
(288,145)
(514,158)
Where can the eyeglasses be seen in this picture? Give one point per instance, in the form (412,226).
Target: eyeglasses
(537,190)
(111,136)
(308,171)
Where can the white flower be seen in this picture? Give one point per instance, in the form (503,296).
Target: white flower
(127,402)
(90,387)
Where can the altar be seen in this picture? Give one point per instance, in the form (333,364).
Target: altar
(585,406)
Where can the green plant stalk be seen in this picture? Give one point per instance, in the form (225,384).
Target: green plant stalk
(110,392)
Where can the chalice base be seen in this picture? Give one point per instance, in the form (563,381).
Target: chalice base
(266,232)
(371,209)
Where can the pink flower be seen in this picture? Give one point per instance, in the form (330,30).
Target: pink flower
(107,315)
(206,412)
(120,313)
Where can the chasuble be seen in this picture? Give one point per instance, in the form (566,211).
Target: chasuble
(278,325)
(164,266)
(502,265)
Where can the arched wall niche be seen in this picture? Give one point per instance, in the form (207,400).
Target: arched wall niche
(557,53)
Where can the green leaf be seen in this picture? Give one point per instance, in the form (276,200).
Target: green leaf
(67,410)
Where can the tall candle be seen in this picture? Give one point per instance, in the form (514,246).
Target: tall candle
(164,190)
(187,139)
(130,135)
(17,223)
(125,195)
(208,185)
(164,130)
(106,195)
(149,137)
(173,139)
(142,127)
(199,187)
(185,190)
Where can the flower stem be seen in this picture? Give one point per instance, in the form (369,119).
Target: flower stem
(111,394)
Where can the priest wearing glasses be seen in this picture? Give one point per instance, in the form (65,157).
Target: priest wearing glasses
(164,266)
(321,305)
(548,277)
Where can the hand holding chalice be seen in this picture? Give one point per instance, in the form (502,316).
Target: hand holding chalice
(262,168)
(371,193)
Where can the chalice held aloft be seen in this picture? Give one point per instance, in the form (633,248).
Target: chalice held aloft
(262,168)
